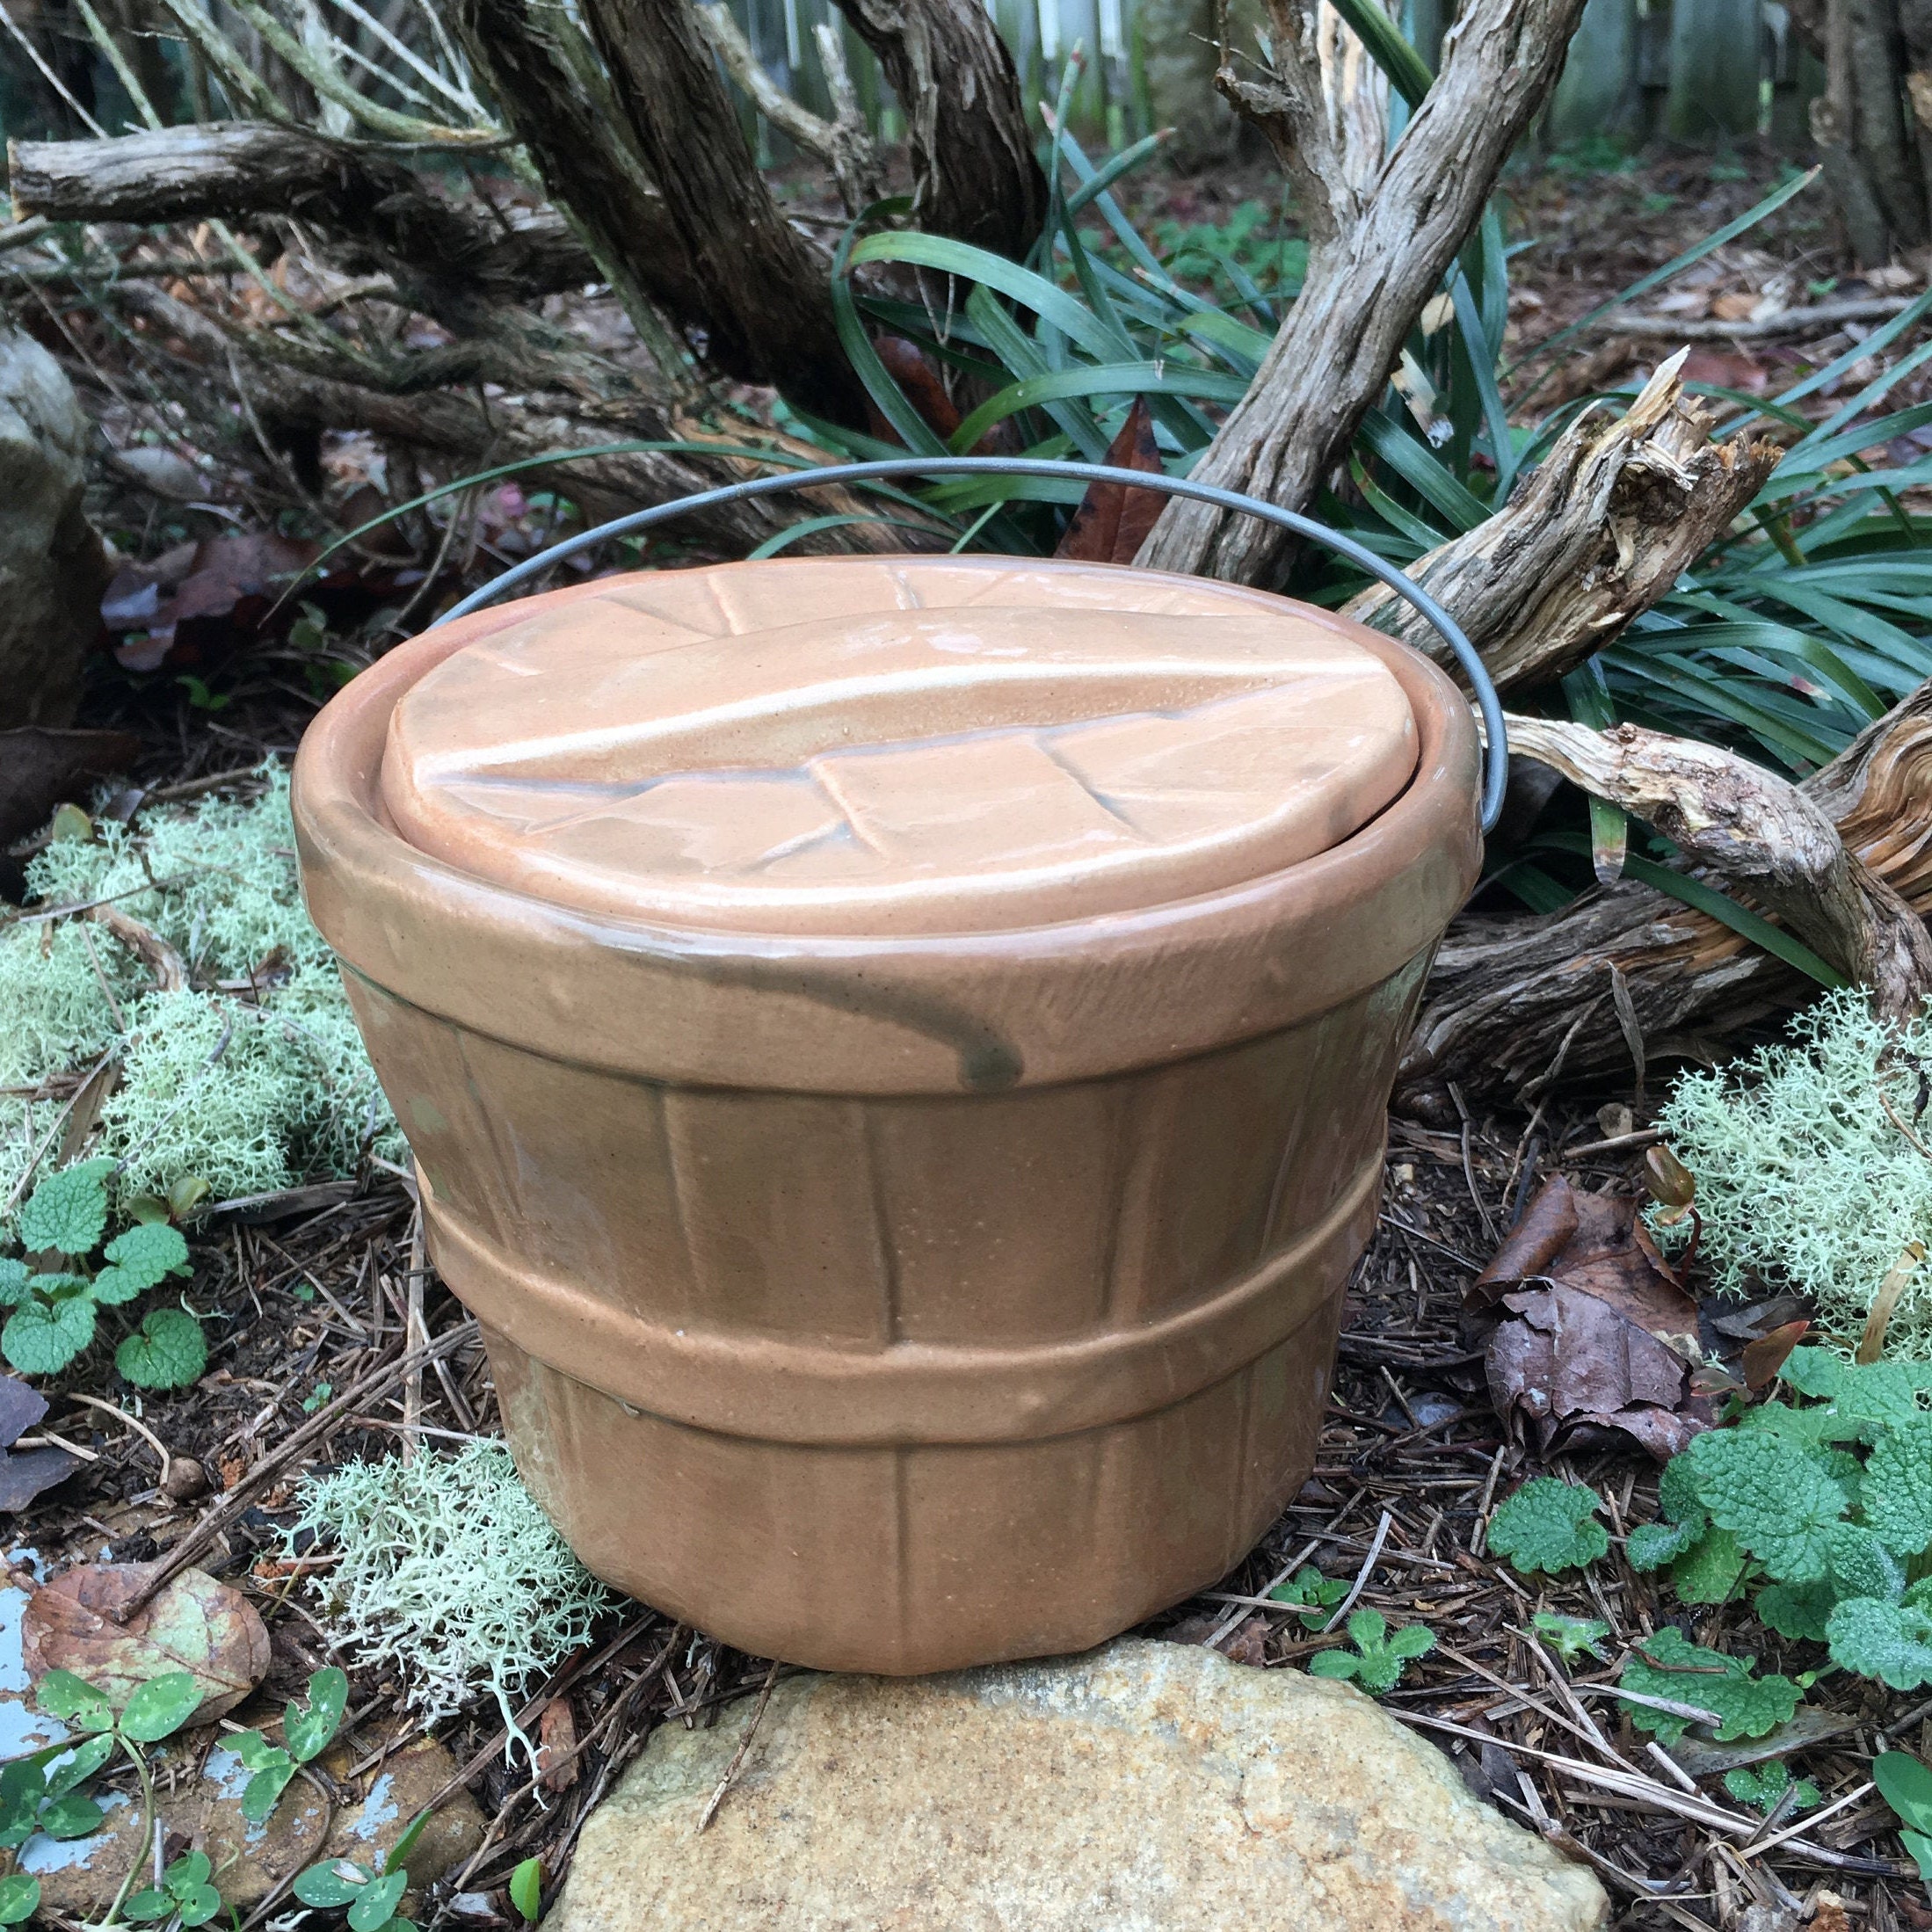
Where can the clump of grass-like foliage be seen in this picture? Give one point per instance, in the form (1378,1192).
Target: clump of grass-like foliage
(1809,1169)
(251,1078)
(448,1570)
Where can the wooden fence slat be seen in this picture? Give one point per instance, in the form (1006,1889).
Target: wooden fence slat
(1715,57)
(1151,63)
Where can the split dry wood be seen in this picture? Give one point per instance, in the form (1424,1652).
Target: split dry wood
(1755,830)
(1597,533)
(1381,230)
(1627,973)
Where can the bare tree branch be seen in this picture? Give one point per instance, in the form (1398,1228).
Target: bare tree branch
(301,393)
(1381,233)
(347,190)
(766,289)
(843,144)
(1599,532)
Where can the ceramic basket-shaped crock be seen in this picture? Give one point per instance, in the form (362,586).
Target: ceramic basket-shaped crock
(896,1052)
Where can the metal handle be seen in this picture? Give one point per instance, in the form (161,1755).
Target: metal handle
(1496,751)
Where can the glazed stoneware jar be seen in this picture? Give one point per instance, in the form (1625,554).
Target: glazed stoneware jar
(896,1051)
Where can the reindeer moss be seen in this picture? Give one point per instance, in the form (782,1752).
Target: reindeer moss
(250,1092)
(448,1570)
(1803,1179)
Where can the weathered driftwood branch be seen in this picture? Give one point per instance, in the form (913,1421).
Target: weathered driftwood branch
(974,175)
(1516,1004)
(1597,533)
(1381,230)
(350,191)
(1758,832)
(843,144)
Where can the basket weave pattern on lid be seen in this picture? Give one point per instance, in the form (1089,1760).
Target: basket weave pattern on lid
(826,749)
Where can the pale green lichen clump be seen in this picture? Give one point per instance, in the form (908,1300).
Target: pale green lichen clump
(290,1094)
(1802,1176)
(448,1570)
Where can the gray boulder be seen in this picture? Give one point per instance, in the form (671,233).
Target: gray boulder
(52,564)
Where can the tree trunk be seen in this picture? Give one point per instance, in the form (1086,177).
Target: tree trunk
(974,176)
(547,81)
(767,287)
(1871,123)
(1381,232)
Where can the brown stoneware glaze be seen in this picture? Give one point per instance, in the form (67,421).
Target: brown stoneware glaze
(894,1051)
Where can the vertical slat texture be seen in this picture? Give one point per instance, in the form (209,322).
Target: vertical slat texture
(1151,63)
(1714,66)
(1597,94)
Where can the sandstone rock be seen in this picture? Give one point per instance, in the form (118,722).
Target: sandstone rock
(52,565)
(1144,1787)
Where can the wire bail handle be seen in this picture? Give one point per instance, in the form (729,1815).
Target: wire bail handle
(1496,747)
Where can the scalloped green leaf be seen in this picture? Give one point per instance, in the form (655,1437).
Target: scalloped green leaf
(1859,1564)
(1777,1498)
(1892,1642)
(144,1256)
(1797,1610)
(68,1211)
(14,1276)
(1708,1571)
(1668,1665)
(42,1337)
(168,1350)
(1550,1526)
(1896,1500)
(1815,1372)
(1653,1545)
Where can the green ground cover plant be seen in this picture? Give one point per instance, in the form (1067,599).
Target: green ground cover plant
(250,1078)
(1380,1654)
(1549,1525)
(1815,1505)
(56,1306)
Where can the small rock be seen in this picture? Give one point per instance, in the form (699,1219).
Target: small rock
(79,1876)
(1146,1786)
(186,1479)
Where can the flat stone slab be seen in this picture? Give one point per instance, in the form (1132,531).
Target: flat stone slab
(1144,1787)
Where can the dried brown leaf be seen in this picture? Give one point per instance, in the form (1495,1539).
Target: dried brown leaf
(194,1624)
(556,1741)
(1113,521)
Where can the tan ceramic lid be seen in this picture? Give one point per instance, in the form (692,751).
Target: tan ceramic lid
(894,745)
